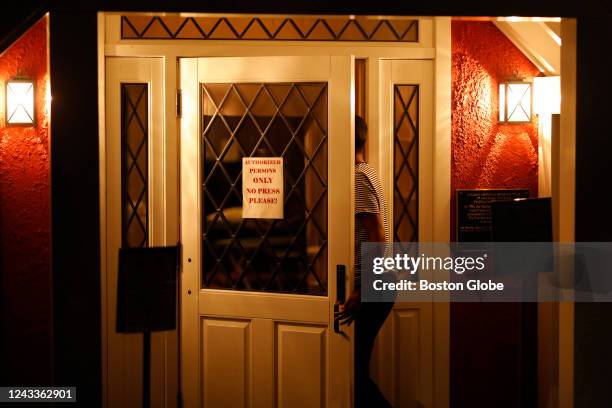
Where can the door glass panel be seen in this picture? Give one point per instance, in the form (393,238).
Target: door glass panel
(134,165)
(286,120)
(405,163)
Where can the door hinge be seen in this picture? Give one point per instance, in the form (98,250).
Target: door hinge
(179,103)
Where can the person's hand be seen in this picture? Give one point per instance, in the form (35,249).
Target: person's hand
(350,308)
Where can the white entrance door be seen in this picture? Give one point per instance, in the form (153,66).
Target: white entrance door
(257,296)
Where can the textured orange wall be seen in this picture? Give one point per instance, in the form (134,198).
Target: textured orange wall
(485,153)
(25,219)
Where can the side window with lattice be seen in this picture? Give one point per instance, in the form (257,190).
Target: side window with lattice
(405,163)
(134,165)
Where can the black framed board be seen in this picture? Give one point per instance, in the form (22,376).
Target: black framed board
(146,289)
(474,217)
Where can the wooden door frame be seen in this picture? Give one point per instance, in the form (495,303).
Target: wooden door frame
(434,44)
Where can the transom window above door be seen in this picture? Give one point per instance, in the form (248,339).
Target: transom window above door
(275,28)
(287,120)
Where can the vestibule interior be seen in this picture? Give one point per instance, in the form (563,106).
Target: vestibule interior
(429,89)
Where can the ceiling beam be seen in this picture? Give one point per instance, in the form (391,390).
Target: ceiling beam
(537,41)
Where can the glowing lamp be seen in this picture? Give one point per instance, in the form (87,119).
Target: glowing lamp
(547,95)
(20,102)
(515,102)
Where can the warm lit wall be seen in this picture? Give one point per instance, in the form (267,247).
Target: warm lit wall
(25,260)
(485,153)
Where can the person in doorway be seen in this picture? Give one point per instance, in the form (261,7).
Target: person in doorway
(371,225)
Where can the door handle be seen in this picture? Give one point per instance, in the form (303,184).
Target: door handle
(340,294)
(340,283)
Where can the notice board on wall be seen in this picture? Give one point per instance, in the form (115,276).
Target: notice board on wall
(262,187)
(474,217)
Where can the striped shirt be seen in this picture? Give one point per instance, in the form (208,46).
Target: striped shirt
(369,198)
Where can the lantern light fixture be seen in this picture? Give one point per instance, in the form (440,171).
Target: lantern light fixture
(19,94)
(515,102)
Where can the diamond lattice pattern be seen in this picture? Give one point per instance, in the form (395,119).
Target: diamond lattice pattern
(134,165)
(286,120)
(303,28)
(406,162)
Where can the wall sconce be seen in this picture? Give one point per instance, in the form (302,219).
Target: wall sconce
(515,102)
(20,102)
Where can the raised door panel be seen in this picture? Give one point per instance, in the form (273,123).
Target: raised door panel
(403,362)
(226,362)
(413,356)
(407,351)
(300,366)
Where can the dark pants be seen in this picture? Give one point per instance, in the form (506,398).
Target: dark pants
(367,324)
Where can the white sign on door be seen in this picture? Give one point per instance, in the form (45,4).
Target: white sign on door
(262,187)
